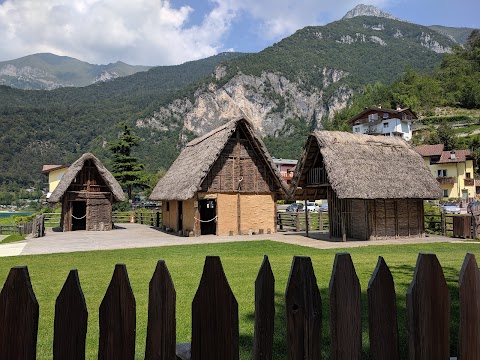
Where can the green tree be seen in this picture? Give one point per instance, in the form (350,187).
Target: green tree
(126,168)
(443,135)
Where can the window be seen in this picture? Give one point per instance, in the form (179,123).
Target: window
(168,205)
(372,117)
(445,193)
(385,125)
(357,129)
(385,115)
(441,173)
(467,175)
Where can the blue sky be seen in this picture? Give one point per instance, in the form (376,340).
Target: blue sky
(165,32)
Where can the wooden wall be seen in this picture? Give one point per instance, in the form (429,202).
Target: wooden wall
(98,210)
(375,219)
(239,168)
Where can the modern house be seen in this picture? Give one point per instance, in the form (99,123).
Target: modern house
(87,191)
(384,122)
(222,183)
(375,186)
(454,170)
(55,174)
(286,168)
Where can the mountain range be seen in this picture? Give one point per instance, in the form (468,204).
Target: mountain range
(285,90)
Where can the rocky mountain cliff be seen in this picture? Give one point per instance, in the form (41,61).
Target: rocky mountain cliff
(307,76)
(49,71)
(368,10)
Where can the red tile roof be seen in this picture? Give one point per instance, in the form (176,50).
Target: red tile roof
(49,168)
(460,156)
(429,150)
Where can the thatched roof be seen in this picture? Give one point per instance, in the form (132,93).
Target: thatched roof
(368,167)
(185,176)
(75,168)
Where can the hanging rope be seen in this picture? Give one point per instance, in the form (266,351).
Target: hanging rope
(79,218)
(205,221)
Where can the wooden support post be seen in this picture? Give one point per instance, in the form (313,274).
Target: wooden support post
(306,218)
(158,219)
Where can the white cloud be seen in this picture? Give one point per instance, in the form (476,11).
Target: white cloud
(150,32)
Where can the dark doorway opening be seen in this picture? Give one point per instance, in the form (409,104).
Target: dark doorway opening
(79,215)
(208,213)
(180,216)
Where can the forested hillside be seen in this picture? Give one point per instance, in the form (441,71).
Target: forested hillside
(57,126)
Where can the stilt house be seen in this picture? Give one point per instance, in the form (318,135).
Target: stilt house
(222,183)
(87,191)
(375,185)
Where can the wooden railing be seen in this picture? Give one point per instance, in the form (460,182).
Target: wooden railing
(22,229)
(469,182)
(317,176)
(445,180)
(296,221)
(215,320)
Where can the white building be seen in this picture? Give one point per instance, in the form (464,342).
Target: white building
(385,122)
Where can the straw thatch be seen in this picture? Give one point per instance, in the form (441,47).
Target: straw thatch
(74,169)
(185,176)
(370,167)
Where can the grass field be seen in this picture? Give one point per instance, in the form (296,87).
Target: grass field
(241,262)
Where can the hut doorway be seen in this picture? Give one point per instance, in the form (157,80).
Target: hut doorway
(208,214)
(180,216)
(79,215)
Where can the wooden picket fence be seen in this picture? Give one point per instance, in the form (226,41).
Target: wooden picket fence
(215,323)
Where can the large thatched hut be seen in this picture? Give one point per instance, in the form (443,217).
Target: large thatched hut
(222,183)
(375,186)
(87,191)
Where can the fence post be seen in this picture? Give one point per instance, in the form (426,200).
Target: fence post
(382,314)
(117,318)
(345,310)
(297,221)
(215,334)
(428,306)
(70,325)
(161,328)
(443,223)
(303,312)
(141,218)
(469,327)
(264,312)
(320,220)
(158,219)
(18,316)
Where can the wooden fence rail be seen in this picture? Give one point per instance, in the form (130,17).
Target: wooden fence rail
(215,323)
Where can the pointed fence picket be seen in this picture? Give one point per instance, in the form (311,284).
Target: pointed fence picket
(70,326)
(264,312)
(345,310)
(117,319)
(215,330)
(382,314)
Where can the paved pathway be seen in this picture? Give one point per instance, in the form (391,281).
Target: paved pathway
(141,236)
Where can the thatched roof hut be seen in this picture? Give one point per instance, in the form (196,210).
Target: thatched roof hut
(230,160)
(344,166)
(87,191)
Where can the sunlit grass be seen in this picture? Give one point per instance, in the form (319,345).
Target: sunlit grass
(241,263)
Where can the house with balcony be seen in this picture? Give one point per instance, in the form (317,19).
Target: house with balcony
(384,122)
(454,170)
(286,167)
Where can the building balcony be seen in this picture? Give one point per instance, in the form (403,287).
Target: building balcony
(446,180)
(469,182)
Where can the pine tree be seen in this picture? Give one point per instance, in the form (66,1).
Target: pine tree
(126,168)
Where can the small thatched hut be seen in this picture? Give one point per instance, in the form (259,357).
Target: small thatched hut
(375,186)
(222,183)
(87,191)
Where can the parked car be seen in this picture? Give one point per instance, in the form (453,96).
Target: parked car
(313,207)
(450,208)
(295,207)
(324,207)
(474,205)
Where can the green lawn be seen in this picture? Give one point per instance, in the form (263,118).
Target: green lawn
(241,262)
